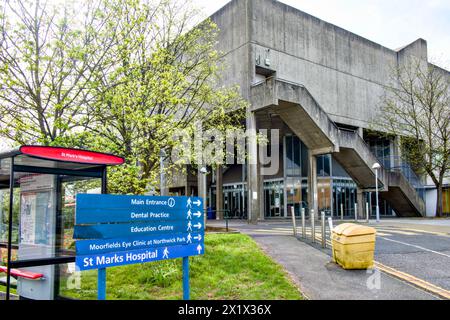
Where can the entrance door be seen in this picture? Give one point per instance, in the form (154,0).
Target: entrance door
(274,199)
(293,196)
(233,198)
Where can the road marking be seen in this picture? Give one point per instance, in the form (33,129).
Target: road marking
(442,234)
(422,284)
(388,229)
(418,247)
(419,283)
(406,233)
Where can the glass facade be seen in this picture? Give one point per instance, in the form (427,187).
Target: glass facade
(295,175)
(337,192)
(344,197)
(296,195)
(296,157)
(381,149)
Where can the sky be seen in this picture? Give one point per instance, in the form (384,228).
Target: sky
(391,23)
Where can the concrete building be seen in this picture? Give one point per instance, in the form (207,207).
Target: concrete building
(320,85)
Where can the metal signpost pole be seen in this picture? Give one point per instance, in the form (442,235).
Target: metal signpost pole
(313,227)
(324,236)
(294,225)
(376,166)
(204,172)
(186,292)
(376,195)
(303,223)
(101,284)
(367,212)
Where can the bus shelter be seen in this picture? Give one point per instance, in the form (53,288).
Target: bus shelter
(38,185)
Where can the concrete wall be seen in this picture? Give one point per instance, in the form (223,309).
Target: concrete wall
(233,43)
(344,72)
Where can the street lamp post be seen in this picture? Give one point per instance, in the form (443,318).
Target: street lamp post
(376,166)
(204,172)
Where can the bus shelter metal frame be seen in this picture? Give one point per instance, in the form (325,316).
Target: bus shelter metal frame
(94,171)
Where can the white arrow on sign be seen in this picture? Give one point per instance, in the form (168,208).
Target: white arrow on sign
(198,203)
(198,214)
(199,249)
(198,225)
(199,237)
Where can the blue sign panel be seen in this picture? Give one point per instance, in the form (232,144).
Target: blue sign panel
(86,262)
(101,208)
(90,247)
(117,230)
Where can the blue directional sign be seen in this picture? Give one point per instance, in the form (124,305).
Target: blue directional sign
(112,228)
(86,262)
(97,246)
(108,231)
(102,208)
(115,230)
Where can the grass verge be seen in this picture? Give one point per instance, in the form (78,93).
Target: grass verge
(233,267)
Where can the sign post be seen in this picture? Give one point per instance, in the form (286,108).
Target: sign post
(114,230)
(101,282)
(186,290)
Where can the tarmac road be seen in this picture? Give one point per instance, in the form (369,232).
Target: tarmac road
(415,249)
(419,248)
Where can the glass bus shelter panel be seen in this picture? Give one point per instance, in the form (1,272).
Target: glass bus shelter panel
(68,279)
(37,215)
(70,186)
(44,212)
(43,222)
(37,230)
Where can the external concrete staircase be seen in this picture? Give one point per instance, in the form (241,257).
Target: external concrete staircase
(304,116)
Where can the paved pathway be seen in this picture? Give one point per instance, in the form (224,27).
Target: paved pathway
(318,278)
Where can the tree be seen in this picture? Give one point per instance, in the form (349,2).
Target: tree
(49,56)
(165,80)
(115,76)
(417,108)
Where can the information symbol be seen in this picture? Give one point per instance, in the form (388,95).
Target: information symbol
(171,202)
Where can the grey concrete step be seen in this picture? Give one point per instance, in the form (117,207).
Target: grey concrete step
(303,115)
